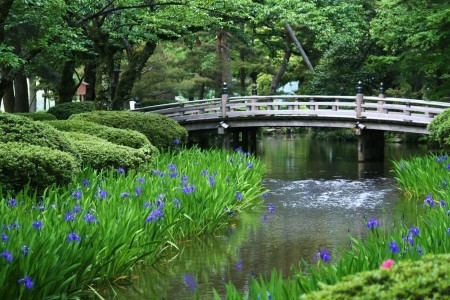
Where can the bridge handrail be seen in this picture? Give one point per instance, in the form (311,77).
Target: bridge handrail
(381,108)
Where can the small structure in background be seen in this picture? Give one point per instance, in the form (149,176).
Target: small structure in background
(81,90)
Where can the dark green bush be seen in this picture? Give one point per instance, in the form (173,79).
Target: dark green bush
(101,154)
(439,128)
(14,128)
(38,116)
(145,103)
(40,167)
(428,278)
(117,136)
(160,130)
(64,110)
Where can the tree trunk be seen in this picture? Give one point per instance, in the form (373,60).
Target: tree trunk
(277,77)
(68,86)
(32,93)
(21,93)
(299,46)
(136,62)
(8,97)
(223,57)
(242,74)
(201,91)
(103,78)
(89,78)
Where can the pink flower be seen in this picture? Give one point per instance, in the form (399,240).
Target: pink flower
(387,264)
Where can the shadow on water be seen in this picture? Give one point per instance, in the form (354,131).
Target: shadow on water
(320,194)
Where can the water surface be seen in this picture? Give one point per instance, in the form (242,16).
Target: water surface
(320,195)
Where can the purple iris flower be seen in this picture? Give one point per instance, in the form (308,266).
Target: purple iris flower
(73,237)
(7,255)
(89,218)
(76,194)
(37,224)
(414,231)
(69,216)
(102,194)
(155,215)
(322,254)
(239,196)
(27,281)
(373,223)
(394,247)
(86,183)
(11,202)
(24,250)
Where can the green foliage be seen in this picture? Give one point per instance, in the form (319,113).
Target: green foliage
(35,167)
(414,39)
(16,128)
(117,136)
(337,134)
(439,128)
(420,176)
(64,110)
(113,214)
(101,154)
(38,116)
(428,278)
(160,130)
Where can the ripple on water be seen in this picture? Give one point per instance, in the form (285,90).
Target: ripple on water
(327,194)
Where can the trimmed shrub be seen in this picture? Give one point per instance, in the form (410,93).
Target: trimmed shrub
(40,167)
(64,110)
(101,154)
(160,130)
(117,136)
(14,128)
(428,278)
(38,116)
(439,128)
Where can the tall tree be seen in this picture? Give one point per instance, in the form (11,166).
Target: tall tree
(415,38)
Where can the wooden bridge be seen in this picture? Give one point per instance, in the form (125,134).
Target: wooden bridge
(368,116)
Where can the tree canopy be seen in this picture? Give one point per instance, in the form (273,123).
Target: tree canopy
(168,48)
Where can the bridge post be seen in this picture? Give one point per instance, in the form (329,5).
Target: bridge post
(370,145)
(254,100)
(359,100)
(224,100)
(381,102)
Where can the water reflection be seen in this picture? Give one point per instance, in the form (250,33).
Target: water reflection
(320,194)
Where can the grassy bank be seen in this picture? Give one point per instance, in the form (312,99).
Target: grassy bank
(77,239)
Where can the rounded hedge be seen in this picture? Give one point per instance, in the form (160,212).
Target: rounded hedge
(38,116)
(64,110)
(439,128)
(428,278)
(124,137)
(101,154)
(40,167)
(160,130)
(16,128)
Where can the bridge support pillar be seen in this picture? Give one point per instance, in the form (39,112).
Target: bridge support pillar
(245,138)
(370,144)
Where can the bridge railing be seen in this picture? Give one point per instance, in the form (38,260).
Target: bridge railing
(381,108)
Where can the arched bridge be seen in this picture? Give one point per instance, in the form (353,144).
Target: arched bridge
(368,113)
(237,118)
